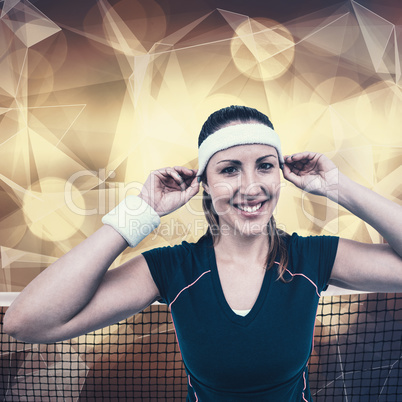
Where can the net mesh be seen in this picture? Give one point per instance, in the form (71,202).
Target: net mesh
(356,357)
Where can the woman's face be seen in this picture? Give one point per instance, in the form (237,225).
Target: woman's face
(244,184)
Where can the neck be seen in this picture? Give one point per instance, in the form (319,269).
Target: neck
(247,248)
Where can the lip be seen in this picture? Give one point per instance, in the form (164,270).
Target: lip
(250,204)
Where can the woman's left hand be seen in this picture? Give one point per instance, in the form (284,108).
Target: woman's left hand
(311,172)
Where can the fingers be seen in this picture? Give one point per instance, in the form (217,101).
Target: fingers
(183,177)
(307,155)
(193,189)
(301,162)
(169,173)
(185,171)
(186,174)
(300,159)
(291,176)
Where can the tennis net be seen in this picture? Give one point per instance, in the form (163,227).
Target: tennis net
(356,357)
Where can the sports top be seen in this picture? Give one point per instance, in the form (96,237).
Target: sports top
(262,356)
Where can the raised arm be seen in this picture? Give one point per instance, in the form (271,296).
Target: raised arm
(359,266)
(77,293)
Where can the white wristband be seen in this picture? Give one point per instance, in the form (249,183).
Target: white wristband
(133,218)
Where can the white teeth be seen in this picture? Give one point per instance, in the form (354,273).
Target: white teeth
(250,209)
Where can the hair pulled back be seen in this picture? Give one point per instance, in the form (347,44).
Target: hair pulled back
(276,237)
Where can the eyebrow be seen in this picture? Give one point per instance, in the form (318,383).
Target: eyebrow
(237,162)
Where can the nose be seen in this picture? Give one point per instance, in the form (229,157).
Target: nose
(250,185)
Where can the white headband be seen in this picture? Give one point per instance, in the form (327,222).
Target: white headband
(238,134)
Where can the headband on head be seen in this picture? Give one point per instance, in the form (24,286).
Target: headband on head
(238,134)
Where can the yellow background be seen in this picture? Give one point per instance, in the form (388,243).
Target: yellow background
(96,94)
(90,105)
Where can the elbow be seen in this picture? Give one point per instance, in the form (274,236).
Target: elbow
(12,326)
(20,329)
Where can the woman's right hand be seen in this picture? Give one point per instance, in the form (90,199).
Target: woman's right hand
(167,189)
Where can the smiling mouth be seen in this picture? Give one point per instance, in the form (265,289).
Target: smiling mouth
(249,209)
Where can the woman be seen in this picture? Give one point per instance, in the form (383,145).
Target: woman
(244,297)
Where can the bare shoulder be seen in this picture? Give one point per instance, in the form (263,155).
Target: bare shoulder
(367,267)
(132,275)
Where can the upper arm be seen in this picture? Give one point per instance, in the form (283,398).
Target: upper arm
(124,291)
(367,267)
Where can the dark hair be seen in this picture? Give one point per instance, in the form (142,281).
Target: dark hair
(222,117)
(276,237)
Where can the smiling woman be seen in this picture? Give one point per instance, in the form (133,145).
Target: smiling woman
(244,183)
(244,335)
(221,151)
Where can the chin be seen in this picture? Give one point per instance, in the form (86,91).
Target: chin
(250,229)
(254,233)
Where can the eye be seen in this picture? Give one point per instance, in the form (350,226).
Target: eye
(229,170)
(266,166)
